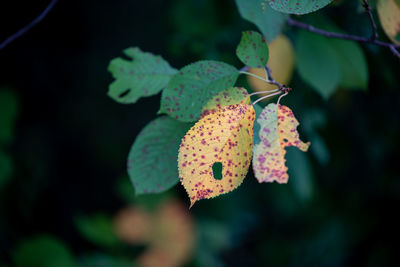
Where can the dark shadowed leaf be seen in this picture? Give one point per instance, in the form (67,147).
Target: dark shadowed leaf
(353,65)
(301,173)
(152,161)
(317,63)
(269,21)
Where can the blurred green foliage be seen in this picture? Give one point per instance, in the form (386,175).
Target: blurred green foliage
(98,229)
(9,106)
(68,143)
(45,251)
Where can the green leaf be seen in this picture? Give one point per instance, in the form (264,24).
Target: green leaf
(349,58)
(8,114)
(269,21)
(314,119)
(253,50)
(298,7)
(145,75)
(153,156)
(6,168)
(193,86)
(317,63)
(353,65)
(44,251)
(301,173)
(98,229)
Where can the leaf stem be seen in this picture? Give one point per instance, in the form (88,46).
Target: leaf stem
(253,75)
(268,79)
(264,97)
(279,99)
(264,92)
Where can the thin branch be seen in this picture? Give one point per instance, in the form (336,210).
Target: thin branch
(29,26)
(272,80)
(268,78)
(368,10)
(244,69)
(343,36)
(395,51)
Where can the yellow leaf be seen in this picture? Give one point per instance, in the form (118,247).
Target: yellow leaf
(224,137)
(281,62)
(278,130)
(231,96)
(389,16)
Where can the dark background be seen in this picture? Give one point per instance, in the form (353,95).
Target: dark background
(71,140)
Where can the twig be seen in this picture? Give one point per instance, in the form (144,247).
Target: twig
(29,26)
(343,36)
(394,51)
(367,8)
(272,80)
(244,69)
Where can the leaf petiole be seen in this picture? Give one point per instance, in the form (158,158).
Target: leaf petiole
(264,92)
(279,99)
(255,76)
(264,97)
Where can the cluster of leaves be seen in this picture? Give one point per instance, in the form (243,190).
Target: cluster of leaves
(214,154)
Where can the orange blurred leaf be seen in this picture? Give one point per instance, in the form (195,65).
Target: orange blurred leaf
(168,231)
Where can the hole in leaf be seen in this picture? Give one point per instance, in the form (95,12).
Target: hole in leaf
(285,140)
(124,93)
(217,170)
